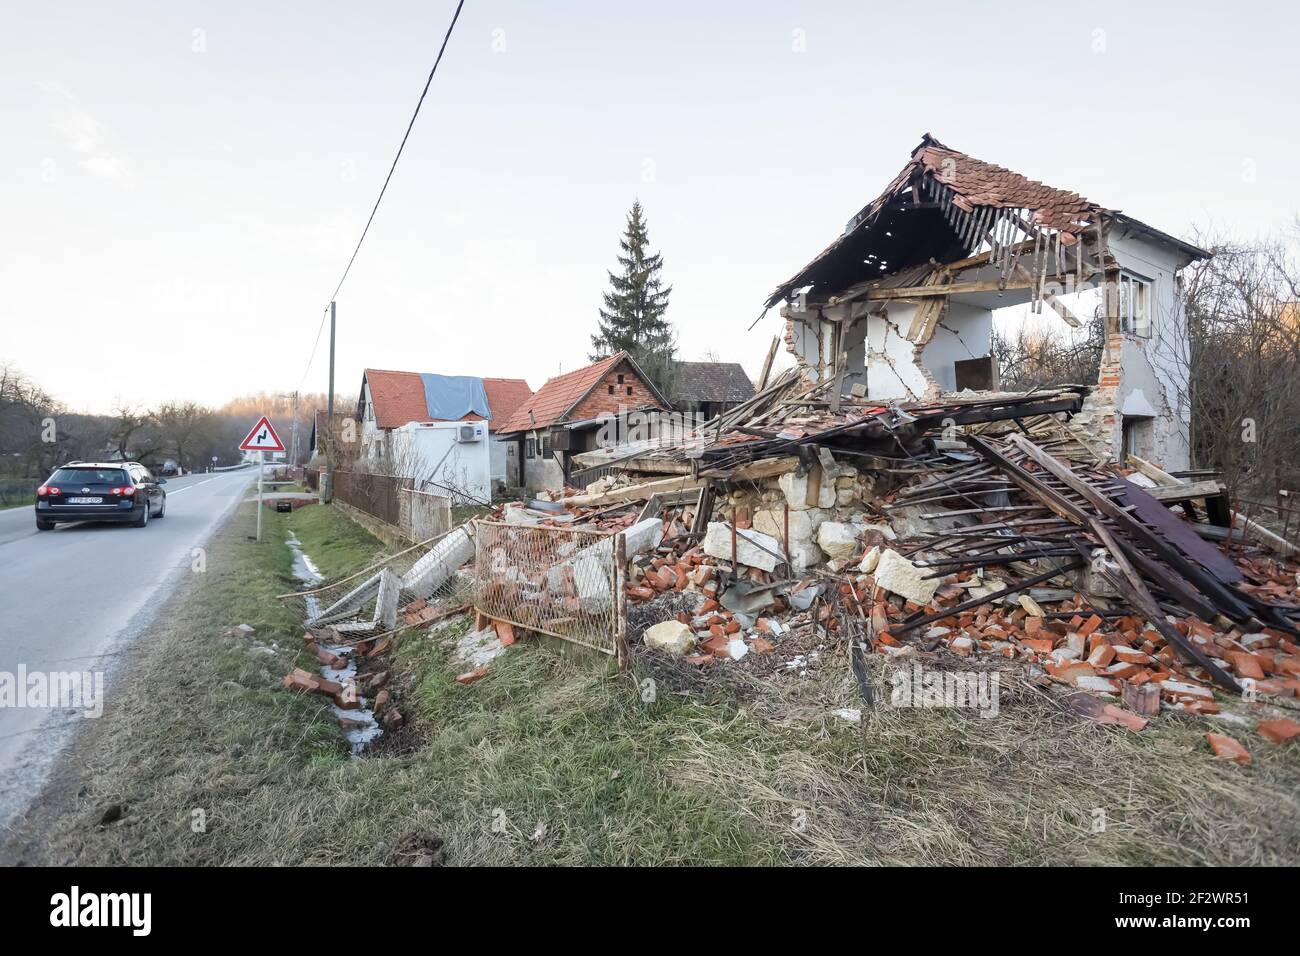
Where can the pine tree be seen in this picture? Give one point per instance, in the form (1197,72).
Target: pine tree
(633,317)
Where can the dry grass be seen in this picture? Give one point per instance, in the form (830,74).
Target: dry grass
(742,771)
(941,786)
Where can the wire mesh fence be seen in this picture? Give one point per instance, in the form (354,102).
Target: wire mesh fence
(565,582)
(413,587)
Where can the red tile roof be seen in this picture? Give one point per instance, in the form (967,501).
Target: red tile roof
(549,403)
(505,395)
(398,398)
(978,183)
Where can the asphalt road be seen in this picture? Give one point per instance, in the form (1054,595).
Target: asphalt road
(71,599)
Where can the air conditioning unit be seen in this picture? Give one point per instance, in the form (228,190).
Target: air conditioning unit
(472,432)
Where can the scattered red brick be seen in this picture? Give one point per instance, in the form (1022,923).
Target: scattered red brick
(1227,748)
(505,632)
(1279,731)
(299,679)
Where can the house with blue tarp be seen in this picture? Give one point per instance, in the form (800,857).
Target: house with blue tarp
(406,418)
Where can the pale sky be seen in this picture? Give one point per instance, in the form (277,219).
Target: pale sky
(181,183)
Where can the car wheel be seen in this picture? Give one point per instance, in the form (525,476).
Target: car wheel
(43,525)
(143,520)
(162,508)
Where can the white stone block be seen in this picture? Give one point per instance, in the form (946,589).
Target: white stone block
(897,575)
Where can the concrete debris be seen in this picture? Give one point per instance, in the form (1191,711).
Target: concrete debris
(899,576)
(838,539)
(671,636)
(751,548)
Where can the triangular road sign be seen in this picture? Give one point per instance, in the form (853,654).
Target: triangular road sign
(262,438)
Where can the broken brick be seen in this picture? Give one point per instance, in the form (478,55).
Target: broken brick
(505,632)
(1279,731)
(1228,748)
(299,679)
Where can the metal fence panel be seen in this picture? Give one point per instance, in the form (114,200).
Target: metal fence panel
(377,495)
(565,582)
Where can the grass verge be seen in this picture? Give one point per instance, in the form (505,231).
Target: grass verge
(551,760)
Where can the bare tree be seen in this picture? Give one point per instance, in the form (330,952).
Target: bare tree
(1033,357)
(1242,356)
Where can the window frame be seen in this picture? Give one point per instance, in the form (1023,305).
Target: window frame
(1135,310)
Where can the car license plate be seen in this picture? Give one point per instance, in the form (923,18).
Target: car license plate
(85,501)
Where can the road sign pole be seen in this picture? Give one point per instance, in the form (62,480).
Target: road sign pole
(261,470)
(261,440)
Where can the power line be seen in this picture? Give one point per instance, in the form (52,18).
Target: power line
(405,136)
(310,358)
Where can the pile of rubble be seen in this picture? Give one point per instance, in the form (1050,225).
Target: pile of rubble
(980,526)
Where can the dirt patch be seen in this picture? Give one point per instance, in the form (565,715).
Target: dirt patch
(418,849)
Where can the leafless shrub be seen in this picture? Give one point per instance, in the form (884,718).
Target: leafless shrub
(1045,356)
(1243,333)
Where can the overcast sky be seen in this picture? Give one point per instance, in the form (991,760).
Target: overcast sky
(181,183)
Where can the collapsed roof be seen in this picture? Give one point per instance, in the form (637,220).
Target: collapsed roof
(945,205)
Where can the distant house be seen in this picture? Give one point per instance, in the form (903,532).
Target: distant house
(707,389)
(391,400)
(565,416)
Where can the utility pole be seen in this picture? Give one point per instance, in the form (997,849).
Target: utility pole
(293,443)
(328,496)
(330,396)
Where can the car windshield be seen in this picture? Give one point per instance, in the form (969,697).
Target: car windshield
(87,476)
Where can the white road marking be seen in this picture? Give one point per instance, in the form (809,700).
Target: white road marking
(188,487)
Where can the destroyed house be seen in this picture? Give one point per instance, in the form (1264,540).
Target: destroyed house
(392,402)
(567,414)
(707,389)
(900,305)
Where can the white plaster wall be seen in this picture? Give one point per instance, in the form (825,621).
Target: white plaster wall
(371,436)
(498,456)
(1154,373)
(891,365)
(430,452)
(542,474)
(965,332)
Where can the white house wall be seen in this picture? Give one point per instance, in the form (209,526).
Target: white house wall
(1155,369)
(431,455)
(505,461)
(892,369)
(372,437)
(964,332)
(879,356)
